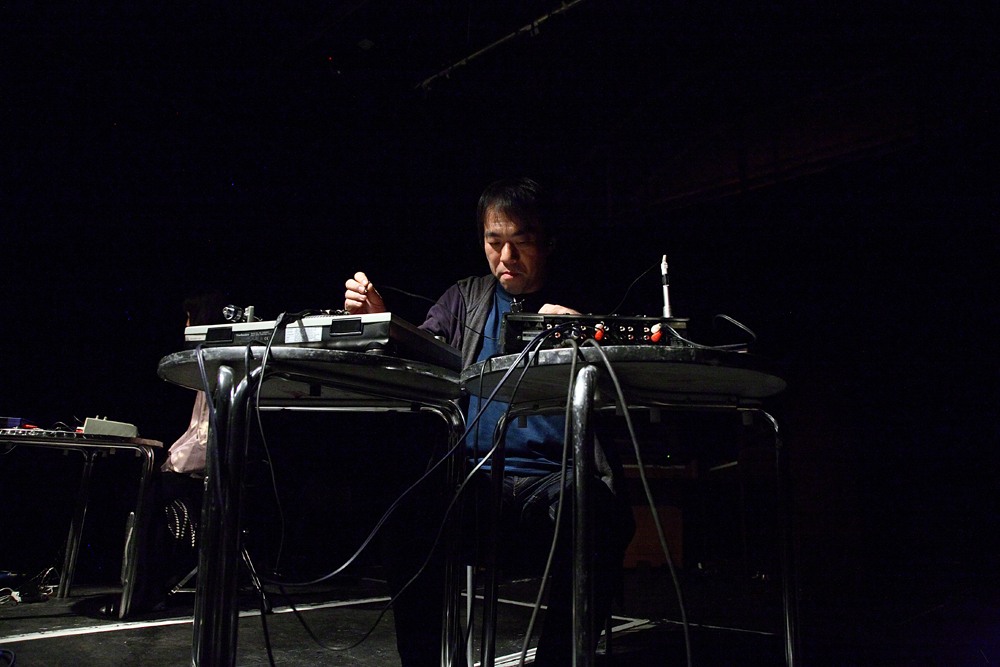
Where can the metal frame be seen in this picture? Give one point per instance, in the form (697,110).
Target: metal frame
(586,397)
(354,376)
(90,447)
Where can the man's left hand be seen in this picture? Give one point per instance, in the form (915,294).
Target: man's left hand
(553,309)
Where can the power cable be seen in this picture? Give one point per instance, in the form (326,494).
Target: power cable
(460,442)
(620,396)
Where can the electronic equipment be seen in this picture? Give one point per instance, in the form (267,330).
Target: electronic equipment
(99,426)
(11,436)
(233,313)
(518,329)
(376,332)
(42,433)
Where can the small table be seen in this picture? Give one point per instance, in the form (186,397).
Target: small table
(292,378)
(90,446)
(651,376)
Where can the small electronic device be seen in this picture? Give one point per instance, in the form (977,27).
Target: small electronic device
(519,329)
(375,332)
(99,426)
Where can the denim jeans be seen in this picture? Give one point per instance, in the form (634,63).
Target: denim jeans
(528,513)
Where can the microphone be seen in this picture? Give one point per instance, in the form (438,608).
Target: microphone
(665,278)
(235,314)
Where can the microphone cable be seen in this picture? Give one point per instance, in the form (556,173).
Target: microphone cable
(460,442)
(620,397)
(564,464)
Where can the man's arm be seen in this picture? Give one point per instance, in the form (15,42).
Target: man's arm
(446,317)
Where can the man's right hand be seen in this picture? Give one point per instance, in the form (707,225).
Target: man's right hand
(361,296)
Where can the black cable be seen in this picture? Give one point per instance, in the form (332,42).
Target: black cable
(460,442)
(477,522)
(199,351)
(525,356)
(475,444)
(283,318)
(559,506)
(721,316)
(620,395)
(622,302)
(409,294)
(309,631)
(535,342)
(247,358)
(453,316)
(430,554)
(263,606)
(676,335)
(8,657)
(699,346)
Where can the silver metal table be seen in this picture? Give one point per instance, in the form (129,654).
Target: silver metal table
(292,378)
(89,446)
(651,376)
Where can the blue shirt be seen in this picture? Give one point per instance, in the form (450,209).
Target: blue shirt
(533,450)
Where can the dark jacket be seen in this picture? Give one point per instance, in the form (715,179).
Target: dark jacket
(460,315)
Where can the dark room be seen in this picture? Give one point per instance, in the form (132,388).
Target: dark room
(771,222)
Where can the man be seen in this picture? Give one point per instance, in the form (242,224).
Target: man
(518,239)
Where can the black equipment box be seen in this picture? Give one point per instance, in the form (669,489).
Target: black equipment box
(519,329)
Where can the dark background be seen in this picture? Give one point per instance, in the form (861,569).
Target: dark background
(825,176)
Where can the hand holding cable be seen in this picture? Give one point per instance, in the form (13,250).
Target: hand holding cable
(361,296)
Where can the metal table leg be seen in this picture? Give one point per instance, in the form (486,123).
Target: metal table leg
(581,433)
(135,533)
(451,627)
(789,597)
(583,534)
(216,613)
(76,527)
(489,642)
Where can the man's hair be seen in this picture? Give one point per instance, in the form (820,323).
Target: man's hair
(520,199)
(205,308)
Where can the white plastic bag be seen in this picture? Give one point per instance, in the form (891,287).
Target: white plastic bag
(187,454)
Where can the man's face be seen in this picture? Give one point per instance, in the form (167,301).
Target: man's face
(516,256)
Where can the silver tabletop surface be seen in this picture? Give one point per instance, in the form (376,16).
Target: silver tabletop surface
(649,374)
(328,378)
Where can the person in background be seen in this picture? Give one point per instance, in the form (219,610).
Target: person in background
(170,552)
(187,455)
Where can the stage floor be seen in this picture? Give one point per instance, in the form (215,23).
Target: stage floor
(730,625)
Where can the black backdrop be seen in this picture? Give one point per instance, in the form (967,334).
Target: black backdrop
(148,156)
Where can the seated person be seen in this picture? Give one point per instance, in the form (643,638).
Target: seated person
(168,553)
(187,455)
(518,238)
